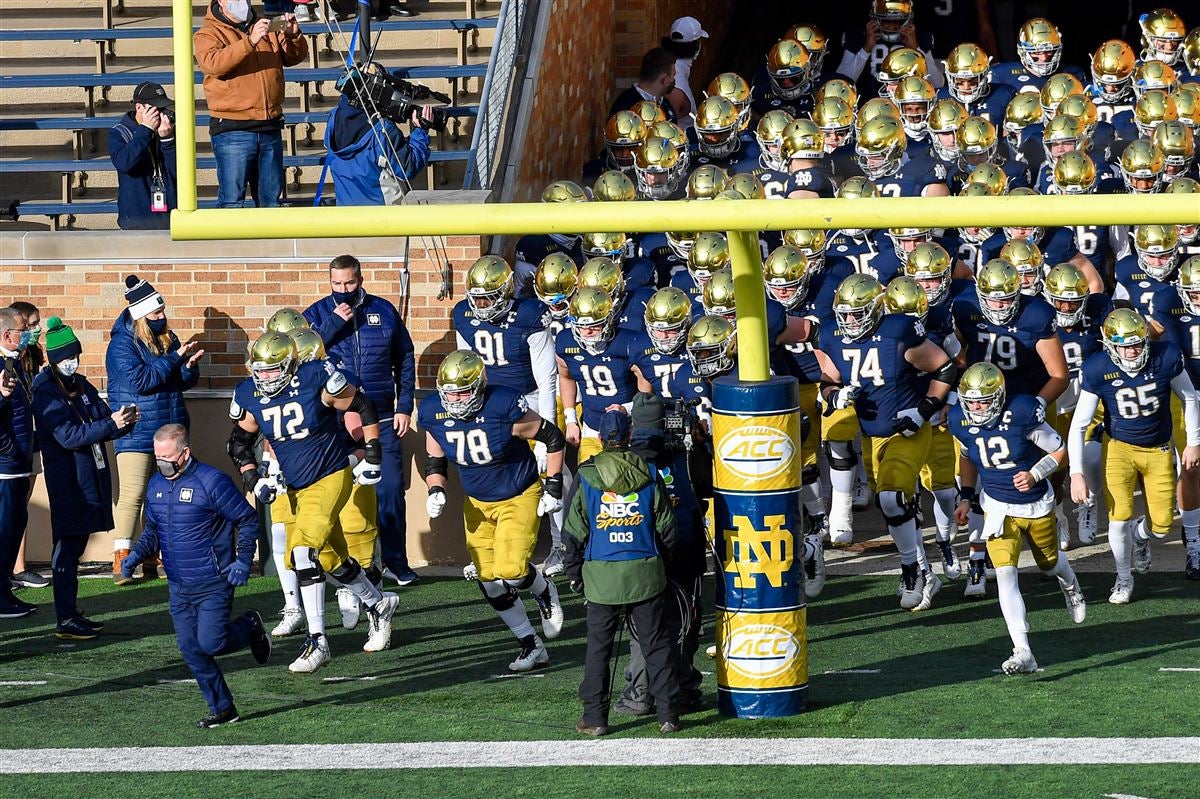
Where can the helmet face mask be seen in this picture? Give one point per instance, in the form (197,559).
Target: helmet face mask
(769,134)
(1039,46)
(1142,166)
(1157,249)
(659,169)
(929,265)
(273,362)
(981,393)
(998,288)
(789,69)
(1163,34)
(786,274)
(717,127)
(967,73)
(490,288)
(858,306)
(1067,291)
(880,148)
(592,319)
(461,381)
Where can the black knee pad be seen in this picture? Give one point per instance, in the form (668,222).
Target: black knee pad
(348,572)
(505,596)
(374,575)
(841,464)
(805,425)
(311,574)
(895,507)
(810,475)
(526,582)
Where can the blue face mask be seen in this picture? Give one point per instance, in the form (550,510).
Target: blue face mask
(348,297)
(26,340)
(157,326)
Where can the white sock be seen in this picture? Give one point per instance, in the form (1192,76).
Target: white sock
(122,543)
(943,512)
(841,484)
(1191,526)
(314,606)
(922,557)
(1120,541)
(908,542)
(1141,530)
(810,496)
(557,518)
(362,588)
(539,582)
(1063,571)
(1093,465)
(287,578)
(517,619)
(975,527)
(1012,606)
(977,554)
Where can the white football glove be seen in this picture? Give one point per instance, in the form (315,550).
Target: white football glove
(552,491)
(539,455)
(435,502)
(266,490)
(367,474)
(470,572)
(841,399)
(909,422)
(548,504)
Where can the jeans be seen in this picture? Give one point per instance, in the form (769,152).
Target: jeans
(247,156)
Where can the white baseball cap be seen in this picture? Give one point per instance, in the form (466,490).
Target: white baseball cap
(687,29)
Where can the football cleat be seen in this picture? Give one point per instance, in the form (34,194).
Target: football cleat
(814,565)
(314,654)
(1076,605)
(350,606)
(930,586)
(533,654)
(951,569)
(380,618)
(1020,662)
(989,568)
(1086,525)
(551,610)
(552,566)
(291,623)
(470,572)
(976,587)
(1142,556)
(1191,567)
(1122,592)
(914,586)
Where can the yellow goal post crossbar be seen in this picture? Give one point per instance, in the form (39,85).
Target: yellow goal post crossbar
(740,219)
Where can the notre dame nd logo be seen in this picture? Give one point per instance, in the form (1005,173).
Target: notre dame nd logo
(750,552)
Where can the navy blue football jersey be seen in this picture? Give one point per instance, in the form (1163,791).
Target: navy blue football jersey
(1184,330)
(859,251)
(1149,295)
(991,106)
(764,99)
(1003,447)
(1013,74)
(532,250)
(976,255)
(670,375)
(603,379)
(684,281)
(875,364)
(493,464)
(640,273)
(1012,347)
(814,180)
(631,316)
(1081,341)
(503,345)
(1137,408)
(655,247)
(912,178)
(774,182)
(1017,173)
(743,159)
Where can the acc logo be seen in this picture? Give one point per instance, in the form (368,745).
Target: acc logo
(756,452)
(1118,382)
(185,495)
(759,651)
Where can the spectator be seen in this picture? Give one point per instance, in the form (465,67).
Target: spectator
(31,360)
(621,572)
(73,424)
(142,148)
(147,368)
(243,63)
(16,455)
(685,43)
(370,160)
(365,335)
(207,532)
(655,81)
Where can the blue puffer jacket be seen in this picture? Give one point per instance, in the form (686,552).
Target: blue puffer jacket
(16,422)
(155,383)
(375,345)
(72,432)
(192,520)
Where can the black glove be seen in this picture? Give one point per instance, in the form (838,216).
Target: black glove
(553,486)
(373,452)
(249,480)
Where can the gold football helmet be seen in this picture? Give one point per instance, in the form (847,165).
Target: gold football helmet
(1163,33)
(945,118)
(461,382)
(981,393)
(669,130)
(1039,46)
(745,184)
(1154,75)
(991,176)
(858,306)
(997,286)
(490,287)
(769,133)
(623,134)
(1028,260)
(733,88)
(1188,284)
(1112,70)
(1075,173)
(900,63)
(592,318)
(615,246)
(1082,108)
(1187,102)
(852,188)
(658,168)
(1191,51)
(1153,108)
(309,346)
(915,96)
(680,242)
(788,68)
(1187,232)
(810,241)
(1125,339)
(1057,88)
(880,147)
(650,112)
(554,282)
(273,362)
(614,186)
(1157,248)
(709,253)
(564,191)
(905,296)
(706,182)
(604,274)
(876,107)
(1063,134)
(967,72)
(836,121)
(814,42)
(1067,290)
(930,266)
(802,139)
(286,320)
(786,273)
(891,16)
(840,88)
(1142,166)
(976,141)
(976,235)
(668,315)
(711,344)
(717,126)
(1023,110)
(906,239)
(718,296)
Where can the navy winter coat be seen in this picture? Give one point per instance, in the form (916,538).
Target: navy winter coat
(72,432)
(133,149)
(375,345)
(16,422)
(192,520)
(155,383)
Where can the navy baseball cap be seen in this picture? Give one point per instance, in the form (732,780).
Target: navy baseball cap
(614,429)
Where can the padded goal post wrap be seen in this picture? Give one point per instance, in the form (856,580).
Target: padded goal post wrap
(762,646)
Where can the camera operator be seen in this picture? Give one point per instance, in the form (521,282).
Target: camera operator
(371,161)
(142,148)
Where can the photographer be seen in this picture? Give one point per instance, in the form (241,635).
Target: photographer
(369,158)
(142,148)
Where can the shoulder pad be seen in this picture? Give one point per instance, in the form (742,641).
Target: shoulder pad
(336,383)
(236,412)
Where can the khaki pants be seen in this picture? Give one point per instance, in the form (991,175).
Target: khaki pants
(134,470)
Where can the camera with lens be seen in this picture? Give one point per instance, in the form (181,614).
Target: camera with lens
(371,89)
(679,424)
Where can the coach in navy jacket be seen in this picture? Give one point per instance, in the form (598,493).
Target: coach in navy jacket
(206,531)
(365,335)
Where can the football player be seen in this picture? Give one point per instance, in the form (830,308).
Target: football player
(1133,380)
(786,83)
(1145,278)
(659,168)
(486,429)
(637,271)
(1186,330)
(901,63)
(624,132)
(889,27)
(803,154)
(875,362)
(835,117)
(977,144)
(1178,144)
(914,96)
(860,246)
(533,249)
(629,306)
(1039,50)
(719,140)
(769,133)
(881,154)
(1111,89)
(1009,448)
(1164,35)
(708,254)
(968,81)
(296,407)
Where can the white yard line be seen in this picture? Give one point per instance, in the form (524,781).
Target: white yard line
(1169,668)
(609,752)
(349,679)
(16,683)
(854,671)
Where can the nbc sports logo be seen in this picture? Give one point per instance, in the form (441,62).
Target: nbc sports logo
(760,651)
(756,452)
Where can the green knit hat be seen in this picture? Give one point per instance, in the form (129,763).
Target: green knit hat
(61,344)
